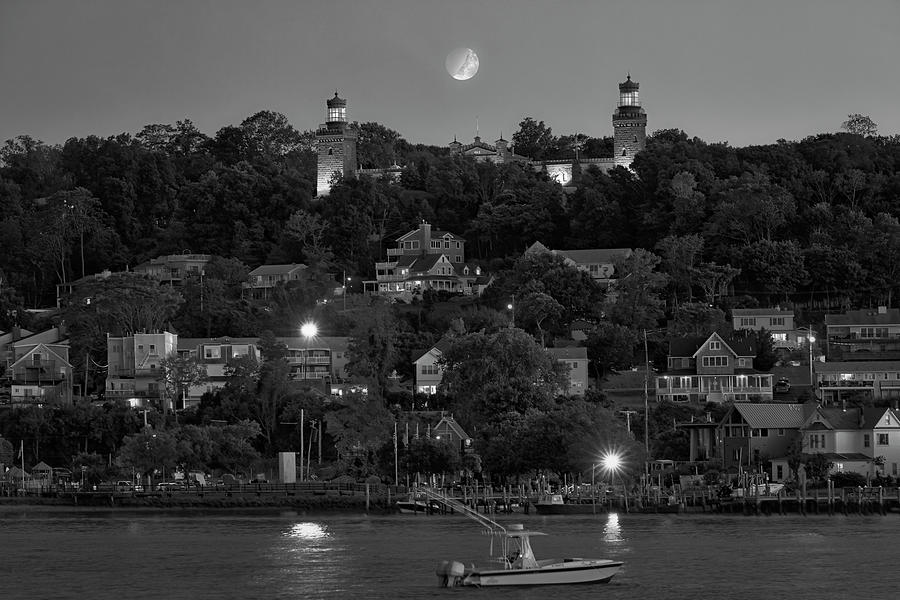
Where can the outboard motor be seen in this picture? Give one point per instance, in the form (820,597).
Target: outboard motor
(450,573)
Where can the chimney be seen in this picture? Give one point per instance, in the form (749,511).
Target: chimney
(425,234)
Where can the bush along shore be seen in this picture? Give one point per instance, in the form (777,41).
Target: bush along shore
(303,502)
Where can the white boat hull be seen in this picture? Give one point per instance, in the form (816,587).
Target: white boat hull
(550,572)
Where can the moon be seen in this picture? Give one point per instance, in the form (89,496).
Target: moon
(462,64)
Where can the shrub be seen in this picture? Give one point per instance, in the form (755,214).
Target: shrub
(848,479)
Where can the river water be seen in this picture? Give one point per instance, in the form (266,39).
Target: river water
(102,555)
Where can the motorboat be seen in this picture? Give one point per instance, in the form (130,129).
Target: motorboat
(418,503)
(520,567)
(557,504)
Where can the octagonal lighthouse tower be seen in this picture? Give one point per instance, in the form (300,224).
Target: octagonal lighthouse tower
(629,124)
(335,146)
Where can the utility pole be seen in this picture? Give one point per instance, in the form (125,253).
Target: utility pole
(646,403)
(628,414)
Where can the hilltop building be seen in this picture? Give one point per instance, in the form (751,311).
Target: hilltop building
(336,145)
(427,259)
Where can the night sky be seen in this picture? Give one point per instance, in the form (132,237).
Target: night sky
(745,72)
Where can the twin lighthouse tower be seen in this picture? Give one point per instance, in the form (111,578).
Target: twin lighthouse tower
(336,142)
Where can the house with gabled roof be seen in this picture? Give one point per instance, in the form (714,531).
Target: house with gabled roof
(868,381)
(712,369)
(426,259)
(173,269)
(449,431)
(263,280)
(40,371)
(778,322)
(850,439)
(599,263)
(752,433)
(428,372)
(865,335)
(881,428)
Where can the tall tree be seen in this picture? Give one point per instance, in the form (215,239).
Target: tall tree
(535,140)
(860,125)
(491,374)
(179,373)
(636,300)
(372,352)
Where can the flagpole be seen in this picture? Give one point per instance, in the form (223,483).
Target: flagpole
(396,468)
(301,444)
(22,457)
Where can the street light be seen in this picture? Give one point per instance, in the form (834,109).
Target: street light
(344,289)
(812,381)
(511,307)
(308,330)
(612,462)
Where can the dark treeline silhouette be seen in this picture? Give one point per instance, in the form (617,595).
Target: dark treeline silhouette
(812,221)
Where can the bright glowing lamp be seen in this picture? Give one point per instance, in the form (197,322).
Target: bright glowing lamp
(612,462)
(309,330)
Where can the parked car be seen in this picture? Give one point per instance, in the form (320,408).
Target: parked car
(169,486)
(124,486)
(783,386)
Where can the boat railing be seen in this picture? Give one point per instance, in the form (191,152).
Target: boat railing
(489,524)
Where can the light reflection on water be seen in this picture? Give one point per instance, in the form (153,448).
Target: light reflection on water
(175,555)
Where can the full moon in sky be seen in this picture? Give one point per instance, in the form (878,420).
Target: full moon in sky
(462,63)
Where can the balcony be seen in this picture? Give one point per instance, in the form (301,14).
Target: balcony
(151,373)
(121,394)
(847,384)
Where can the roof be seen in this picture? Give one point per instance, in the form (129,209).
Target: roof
(628,84)
(441,346)
(857,366)
(570,353)
(320,341)
(594,255)
(453,426)
(761,312)
(847,456)
(871,417)
(838,418)
(187,343)
(770,414)
(868,316)
(689,346)
(275,269)
(26,356)
(435,234)
(336,101)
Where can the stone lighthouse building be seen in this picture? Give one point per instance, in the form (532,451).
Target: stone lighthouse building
(629,124)
(335,146)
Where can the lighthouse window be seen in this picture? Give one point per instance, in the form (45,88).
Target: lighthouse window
(624,152)
(635,138)
(330,151)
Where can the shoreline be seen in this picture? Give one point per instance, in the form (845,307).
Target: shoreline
(107,502)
